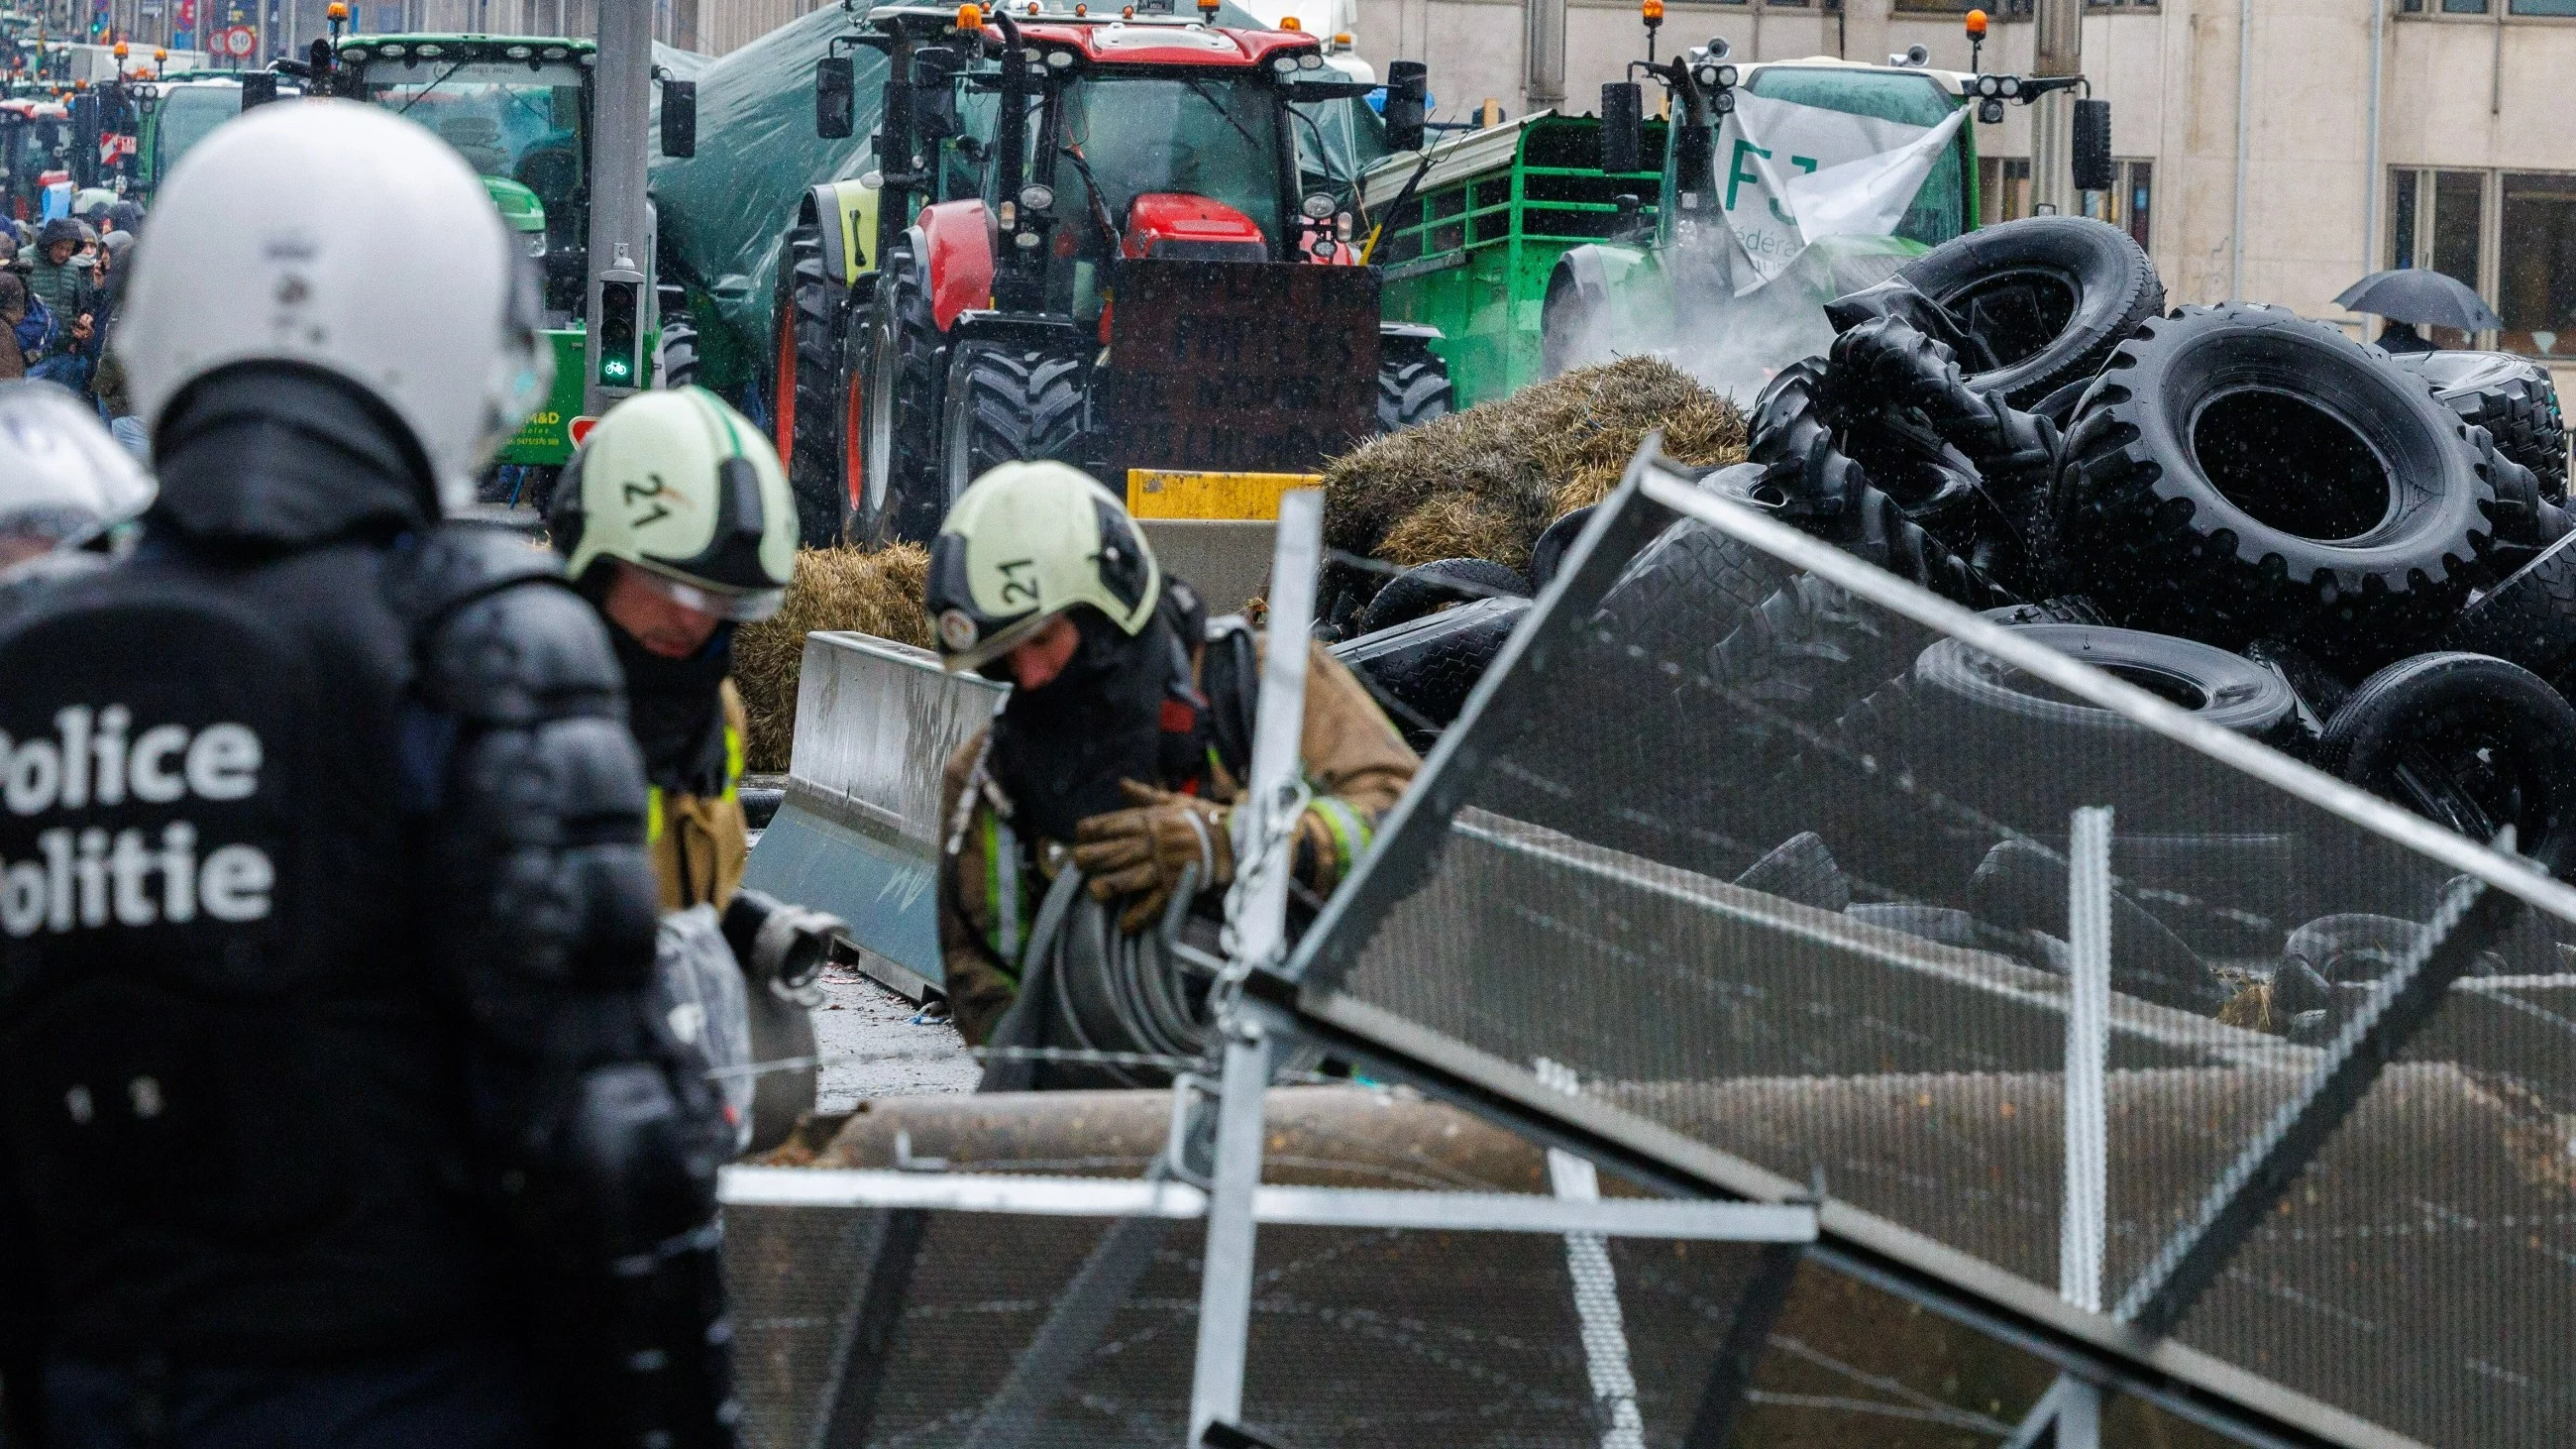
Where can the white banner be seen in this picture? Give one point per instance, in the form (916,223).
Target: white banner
(1789,174)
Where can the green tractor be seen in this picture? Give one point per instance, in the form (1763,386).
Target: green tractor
(1079,226)
(1557,242)
(518,109)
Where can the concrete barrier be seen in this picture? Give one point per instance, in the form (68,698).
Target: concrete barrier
(859,833)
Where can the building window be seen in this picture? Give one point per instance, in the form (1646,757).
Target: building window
(2509,236)
(2436,220)
(2536,265)
(2541,7)
(2003,189)
(2003,194)
(2129,203)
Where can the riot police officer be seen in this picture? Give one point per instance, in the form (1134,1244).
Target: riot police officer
(67,491)
(336,1110)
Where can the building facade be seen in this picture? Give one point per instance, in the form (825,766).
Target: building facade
(2433,133)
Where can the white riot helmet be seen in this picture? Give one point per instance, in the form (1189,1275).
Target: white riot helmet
(350,240)
(63,478)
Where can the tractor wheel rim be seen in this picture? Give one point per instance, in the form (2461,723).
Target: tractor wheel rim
(880,404)
(784,409)
(854,437)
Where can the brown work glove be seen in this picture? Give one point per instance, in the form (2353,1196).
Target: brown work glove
(1140,853)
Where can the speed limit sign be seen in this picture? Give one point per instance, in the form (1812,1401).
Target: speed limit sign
(239,42)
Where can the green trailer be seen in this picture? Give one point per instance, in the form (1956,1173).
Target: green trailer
(1470,250)
(1531,256)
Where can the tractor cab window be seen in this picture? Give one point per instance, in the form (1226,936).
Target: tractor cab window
(510,119)
(187,114)
(965,166)
(1939,211)
(1204,136)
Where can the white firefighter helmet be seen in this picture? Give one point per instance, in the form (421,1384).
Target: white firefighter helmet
(64,480)
(688,491)
(343,238)
(1024,543)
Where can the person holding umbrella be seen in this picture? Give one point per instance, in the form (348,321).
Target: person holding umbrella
(2413,296)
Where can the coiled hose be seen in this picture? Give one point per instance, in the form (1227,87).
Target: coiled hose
(1087,986)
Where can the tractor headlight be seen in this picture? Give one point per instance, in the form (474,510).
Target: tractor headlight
(1059,59)
(1989,86)
(537,245)
(1284,64)
(1316,207)
(1990,111)
(1722,102)
(2009,86)
(1036,198)
(1706,75)
(1310,60)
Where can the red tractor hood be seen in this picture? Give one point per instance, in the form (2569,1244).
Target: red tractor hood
(1190,228)
(1114,42)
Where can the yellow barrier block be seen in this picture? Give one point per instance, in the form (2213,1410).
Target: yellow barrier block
(1172,493)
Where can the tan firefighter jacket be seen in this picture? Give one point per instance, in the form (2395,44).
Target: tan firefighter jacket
(1356,765)
(699,844)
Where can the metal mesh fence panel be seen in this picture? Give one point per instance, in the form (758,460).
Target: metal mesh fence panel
(861,1327)
(1784,870)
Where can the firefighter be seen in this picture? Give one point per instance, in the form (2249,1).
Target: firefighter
(1127,735)
(676,522)
(339,1109)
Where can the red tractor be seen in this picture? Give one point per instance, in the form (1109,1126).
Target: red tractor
(1090,239)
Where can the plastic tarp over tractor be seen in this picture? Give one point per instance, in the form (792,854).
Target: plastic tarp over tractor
(725,212)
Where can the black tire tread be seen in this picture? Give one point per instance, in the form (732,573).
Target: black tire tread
(1412,386)
(1947,269)
(2132,537)
(1021,405)
(921,374)
(813,454)
(679,350)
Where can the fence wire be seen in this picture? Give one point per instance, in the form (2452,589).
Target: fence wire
(1784,870)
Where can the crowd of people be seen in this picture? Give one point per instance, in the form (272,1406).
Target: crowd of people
(60,283)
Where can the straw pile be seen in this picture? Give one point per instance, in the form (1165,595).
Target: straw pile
(835,588)
(1484,483)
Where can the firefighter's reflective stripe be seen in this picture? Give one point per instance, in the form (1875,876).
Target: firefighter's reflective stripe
(733,761)
(1349,829)
(1002,891)
(652,814)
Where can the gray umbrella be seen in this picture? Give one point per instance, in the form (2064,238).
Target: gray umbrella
(2421,295)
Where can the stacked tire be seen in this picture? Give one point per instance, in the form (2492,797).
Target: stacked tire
(2359,560)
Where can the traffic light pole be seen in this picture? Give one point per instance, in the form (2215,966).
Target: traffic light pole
(620,233)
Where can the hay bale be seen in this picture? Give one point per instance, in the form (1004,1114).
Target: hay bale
(1484,483)
(835,588)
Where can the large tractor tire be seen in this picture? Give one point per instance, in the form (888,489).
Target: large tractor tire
(1425,667)
(1007,404)
(676,364)
(2049,296)
(898,368)
(1412,384)
(2513,398)
(2467,741)
(2241,472)
(810,315)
